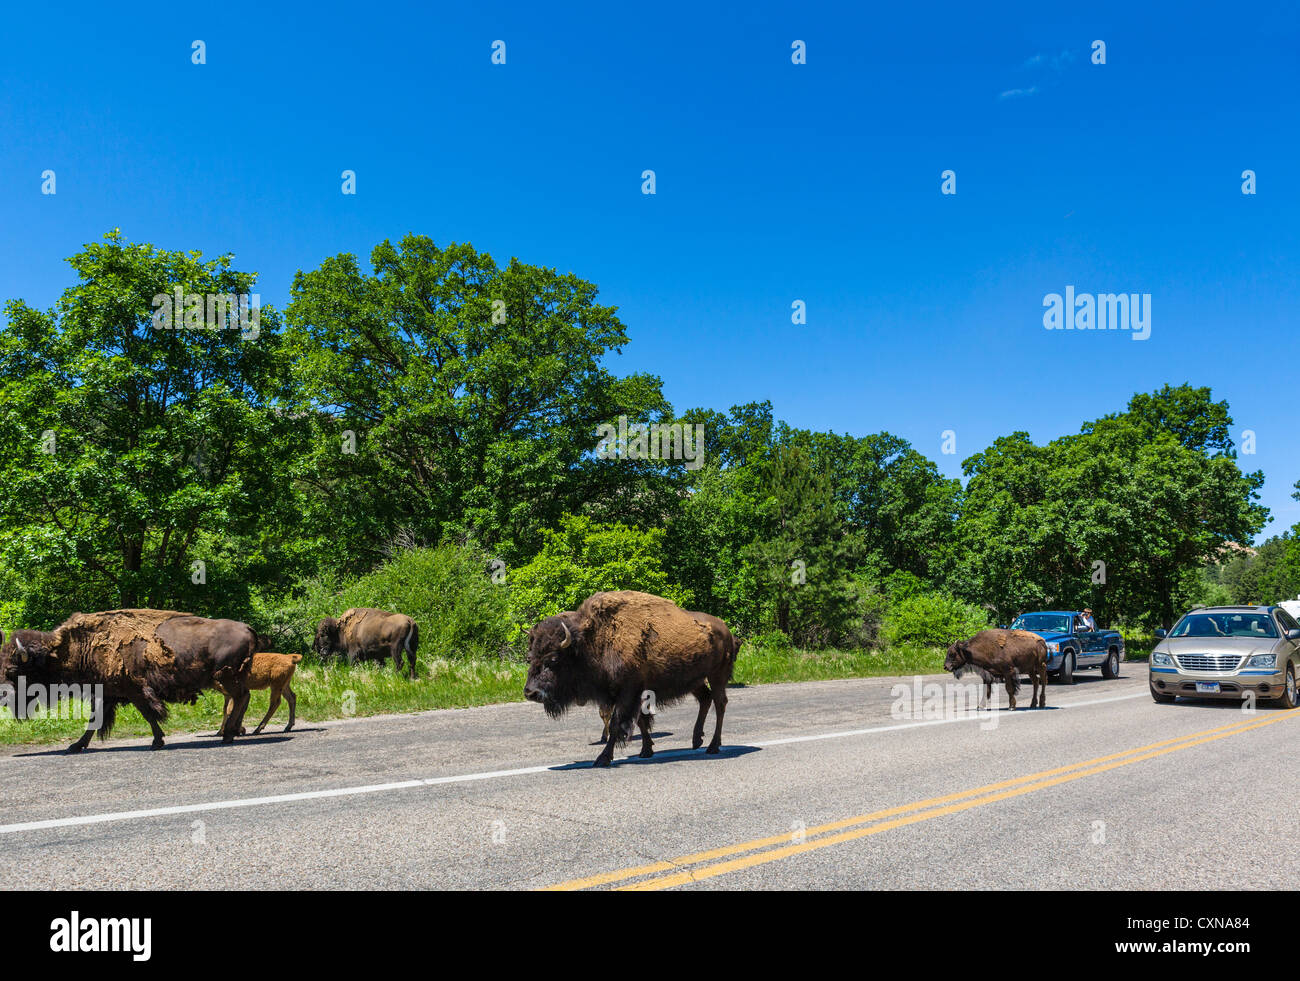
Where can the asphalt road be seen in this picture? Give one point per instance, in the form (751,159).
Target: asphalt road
(829,785)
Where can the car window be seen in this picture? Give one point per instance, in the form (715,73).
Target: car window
(1046,622)
(1247,624)
(1287,620)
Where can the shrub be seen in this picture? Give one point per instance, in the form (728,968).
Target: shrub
(932,620)
(448,591)
(582,557)
(770,641)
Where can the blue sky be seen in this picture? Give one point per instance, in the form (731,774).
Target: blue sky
(775,182)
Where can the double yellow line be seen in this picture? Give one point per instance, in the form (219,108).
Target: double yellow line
(665,875)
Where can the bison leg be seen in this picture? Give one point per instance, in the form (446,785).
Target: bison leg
(647,744)
(235,720)
(719,688)
(225,708)
(275,704)
(1040,674)
(103,709)
(625,709)
(293,706)
(604,717)
(151,717)
(705,698)
(398,647)
(1012,684)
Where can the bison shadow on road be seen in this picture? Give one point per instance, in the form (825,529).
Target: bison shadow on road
(200,743)
(665,756)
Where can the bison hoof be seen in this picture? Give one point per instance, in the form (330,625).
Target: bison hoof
(697,742)
(157,743)
(713,749)
(76,748)
(600,761)
(645,754)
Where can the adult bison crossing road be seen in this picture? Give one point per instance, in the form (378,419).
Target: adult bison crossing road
(818,785)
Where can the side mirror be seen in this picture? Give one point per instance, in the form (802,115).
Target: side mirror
(1293,634)
(1162,633)
(1002,626)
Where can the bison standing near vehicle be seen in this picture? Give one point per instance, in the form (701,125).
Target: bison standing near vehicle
(145,658)
(1003,655)
(368,635)
(619,648)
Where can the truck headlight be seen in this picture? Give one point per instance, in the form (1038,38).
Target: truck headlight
(1262,661)
(1159,657)
(1053,647)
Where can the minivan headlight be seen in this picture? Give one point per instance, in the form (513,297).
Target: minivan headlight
(1262,661)
(1159,657)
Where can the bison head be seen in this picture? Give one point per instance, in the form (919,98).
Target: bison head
(554,669)
(326,642)
(958,657)
(19,656)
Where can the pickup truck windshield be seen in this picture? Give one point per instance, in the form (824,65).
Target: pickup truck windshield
(1046,622)
(1224,625)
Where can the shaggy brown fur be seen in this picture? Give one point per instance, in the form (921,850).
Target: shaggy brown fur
(1003,655)
(620,648)
(273,671)
(142,657)
(366,634)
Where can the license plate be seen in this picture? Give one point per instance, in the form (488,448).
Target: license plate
(1208,686)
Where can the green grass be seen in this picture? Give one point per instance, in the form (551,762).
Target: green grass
(338,691)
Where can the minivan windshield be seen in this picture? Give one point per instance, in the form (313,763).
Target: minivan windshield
(1225,625)
(1048,623)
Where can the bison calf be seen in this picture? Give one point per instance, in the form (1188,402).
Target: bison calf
(273,671)
(1003,655)
(622,649)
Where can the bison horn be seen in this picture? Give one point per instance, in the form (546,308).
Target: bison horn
(568,637)
(22,651)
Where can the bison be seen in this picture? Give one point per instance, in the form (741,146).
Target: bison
(274,671)
(367,634)
(620,649)
(145,658)
(1003,655)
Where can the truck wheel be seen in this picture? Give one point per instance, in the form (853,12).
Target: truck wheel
(1110,667)
(1066,675)
(1160,698)
(1289,698)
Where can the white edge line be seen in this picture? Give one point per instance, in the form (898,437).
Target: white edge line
(69,822)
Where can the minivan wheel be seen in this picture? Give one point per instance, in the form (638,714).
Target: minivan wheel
(1110,669)
(1289,698)
(1066,675)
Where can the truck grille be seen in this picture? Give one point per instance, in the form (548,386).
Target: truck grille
(1209,662)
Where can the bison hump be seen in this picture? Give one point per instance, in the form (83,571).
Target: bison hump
(639,627)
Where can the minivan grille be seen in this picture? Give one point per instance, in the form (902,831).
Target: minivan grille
(1209,662)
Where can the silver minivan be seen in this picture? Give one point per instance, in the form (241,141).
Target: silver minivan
(1228,652)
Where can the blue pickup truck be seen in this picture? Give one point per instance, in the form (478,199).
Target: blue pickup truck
(1070,647)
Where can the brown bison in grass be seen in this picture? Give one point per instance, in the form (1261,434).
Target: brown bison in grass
(619,648)
(144,658)
(364,634)
(1003,655)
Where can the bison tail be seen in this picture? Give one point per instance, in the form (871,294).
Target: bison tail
(412,640)
(107,718)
